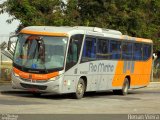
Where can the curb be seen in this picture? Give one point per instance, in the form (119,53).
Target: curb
(5,83)
(154,85)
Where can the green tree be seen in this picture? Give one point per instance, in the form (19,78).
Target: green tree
(138,18)
(34,12)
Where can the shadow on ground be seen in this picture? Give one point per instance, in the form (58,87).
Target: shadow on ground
(88,95)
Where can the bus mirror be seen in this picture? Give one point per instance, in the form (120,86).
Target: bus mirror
(11,44)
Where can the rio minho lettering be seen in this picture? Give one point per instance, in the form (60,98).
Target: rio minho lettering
(101,67)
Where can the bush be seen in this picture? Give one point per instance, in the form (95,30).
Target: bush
(6,74)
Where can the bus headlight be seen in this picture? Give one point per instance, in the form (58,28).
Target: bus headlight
(55,78)
(16,75)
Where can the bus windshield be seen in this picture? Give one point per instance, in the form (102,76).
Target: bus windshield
(40,52)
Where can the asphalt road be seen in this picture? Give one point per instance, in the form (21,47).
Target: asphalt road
(140,101)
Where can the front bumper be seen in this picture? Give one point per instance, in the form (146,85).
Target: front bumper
(47,86)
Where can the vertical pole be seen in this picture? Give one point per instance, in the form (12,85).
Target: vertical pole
(1,57)
(0,64)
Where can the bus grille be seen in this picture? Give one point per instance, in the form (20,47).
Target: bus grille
(40,87)
(34,81)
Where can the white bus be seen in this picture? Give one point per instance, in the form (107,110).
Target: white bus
(80,59)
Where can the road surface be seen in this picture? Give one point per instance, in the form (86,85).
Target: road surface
(145,101)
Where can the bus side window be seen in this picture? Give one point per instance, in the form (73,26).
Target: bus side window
(74,51)
(146,51)
(89,50)
(127,51)
(137,51)
(115,49)
(102,49)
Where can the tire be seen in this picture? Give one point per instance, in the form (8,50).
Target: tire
(124,90)
(36,94)
(80,89)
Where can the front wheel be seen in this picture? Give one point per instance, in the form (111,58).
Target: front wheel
(80,89)
(124,90)
(36,94)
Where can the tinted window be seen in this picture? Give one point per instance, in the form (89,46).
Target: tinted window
(115,49)
(102,49)
(74,50)
(137,50)
(89,49)
(127,51)
(146,51)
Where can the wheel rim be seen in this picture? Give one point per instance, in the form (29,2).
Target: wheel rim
(80,89)
(126,88)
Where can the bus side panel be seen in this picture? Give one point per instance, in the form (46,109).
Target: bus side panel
(99,76)
(148,71)
(70,80)
(142,72)
(137,79)
(69,83)
(139,73)
(118,78)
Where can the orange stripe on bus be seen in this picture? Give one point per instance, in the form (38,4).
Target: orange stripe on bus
(43,33)
(123,37)
(20,73)
(35,76)
(144,40)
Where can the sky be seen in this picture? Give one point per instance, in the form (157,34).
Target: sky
(5,28)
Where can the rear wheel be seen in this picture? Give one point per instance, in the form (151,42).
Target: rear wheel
(80,89)
(124,90)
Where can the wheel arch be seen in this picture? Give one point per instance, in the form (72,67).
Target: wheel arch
(85,81)
(129,79)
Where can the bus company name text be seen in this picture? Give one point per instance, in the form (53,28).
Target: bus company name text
(101,67)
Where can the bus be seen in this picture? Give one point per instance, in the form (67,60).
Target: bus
(79,59)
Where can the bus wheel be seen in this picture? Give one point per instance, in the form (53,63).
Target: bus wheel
(80,89)
(124,90)
(36,94)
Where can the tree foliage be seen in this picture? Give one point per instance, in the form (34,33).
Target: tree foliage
(140,18)
(34,12)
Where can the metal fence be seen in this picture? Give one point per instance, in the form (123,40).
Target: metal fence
(5,63)
(5,68)
(156,70)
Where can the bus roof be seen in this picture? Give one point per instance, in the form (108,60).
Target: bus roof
(66,30)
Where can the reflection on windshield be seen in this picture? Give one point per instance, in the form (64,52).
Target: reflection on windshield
(40,52)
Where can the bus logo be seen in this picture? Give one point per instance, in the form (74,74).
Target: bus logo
(101,67)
